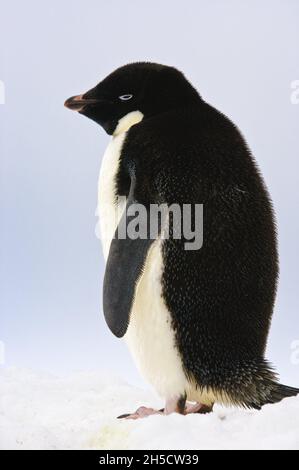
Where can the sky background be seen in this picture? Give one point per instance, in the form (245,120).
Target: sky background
(242,57)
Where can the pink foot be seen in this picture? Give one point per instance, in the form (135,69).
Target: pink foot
(174,405)
(197,408)
(142,412)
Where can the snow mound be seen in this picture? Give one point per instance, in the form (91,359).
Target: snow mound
(38,411)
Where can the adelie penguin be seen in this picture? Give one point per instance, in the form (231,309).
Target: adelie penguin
(195,321)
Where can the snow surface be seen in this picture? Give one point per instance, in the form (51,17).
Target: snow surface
(38,411)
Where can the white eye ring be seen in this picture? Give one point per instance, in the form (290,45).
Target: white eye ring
(125,97)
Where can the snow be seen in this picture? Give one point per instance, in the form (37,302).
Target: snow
(39,411)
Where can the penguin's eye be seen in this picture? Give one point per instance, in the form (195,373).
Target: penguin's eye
(125,97)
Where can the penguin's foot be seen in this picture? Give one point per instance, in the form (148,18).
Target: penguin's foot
(173,405)
(141,412)
(186,408)
(197,408)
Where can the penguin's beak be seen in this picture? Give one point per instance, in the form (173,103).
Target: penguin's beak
(77,103)
(98,109)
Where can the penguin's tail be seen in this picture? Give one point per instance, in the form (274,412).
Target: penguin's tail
(266,393)
(279,391)
(261,387)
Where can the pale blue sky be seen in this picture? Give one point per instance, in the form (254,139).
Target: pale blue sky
(242,56)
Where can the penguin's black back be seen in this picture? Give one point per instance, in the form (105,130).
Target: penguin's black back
(221,296)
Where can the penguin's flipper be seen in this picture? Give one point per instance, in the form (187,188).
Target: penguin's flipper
(124,268)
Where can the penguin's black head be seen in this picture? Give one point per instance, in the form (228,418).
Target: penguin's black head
(144,89)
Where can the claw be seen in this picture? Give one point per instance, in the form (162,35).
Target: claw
(125,415)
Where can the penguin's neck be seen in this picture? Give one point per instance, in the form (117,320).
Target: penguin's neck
(127,121)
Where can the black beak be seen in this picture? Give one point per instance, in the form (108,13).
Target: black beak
(77,103)
(99,110)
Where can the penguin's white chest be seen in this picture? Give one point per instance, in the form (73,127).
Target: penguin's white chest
(150,336)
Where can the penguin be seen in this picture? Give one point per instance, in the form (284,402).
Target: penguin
(196,321)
